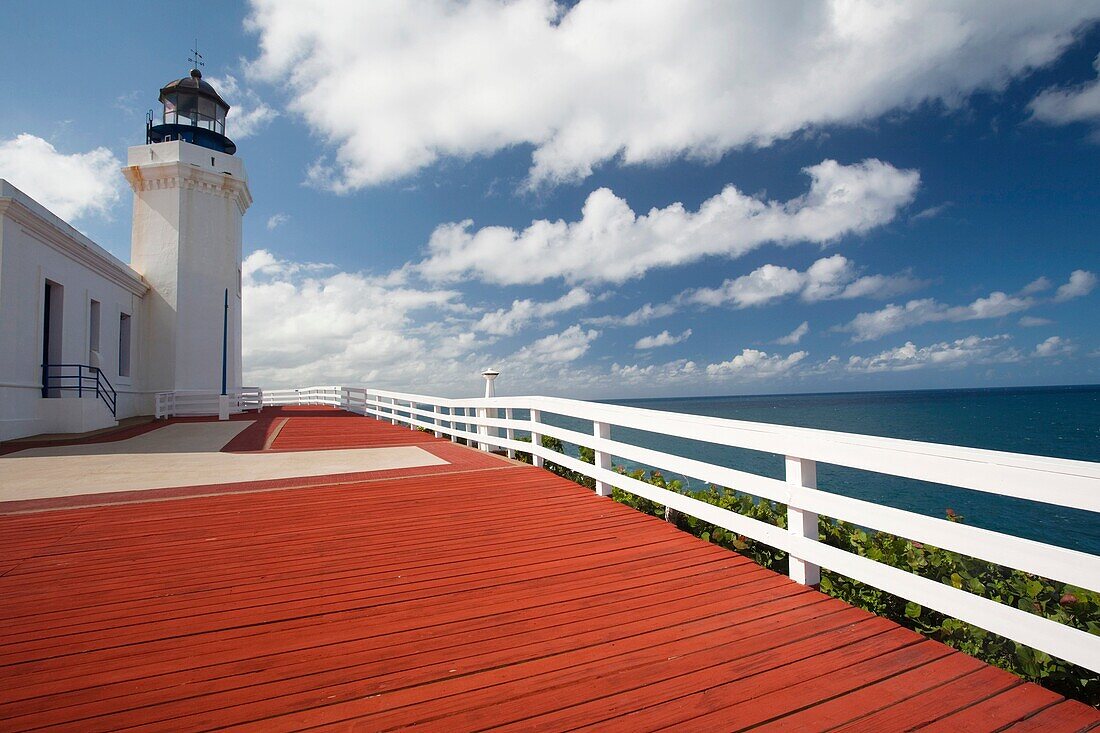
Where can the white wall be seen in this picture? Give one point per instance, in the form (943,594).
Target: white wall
(36,246)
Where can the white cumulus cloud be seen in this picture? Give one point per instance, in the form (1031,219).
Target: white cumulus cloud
(795,336)
(507,321)
(392,87)
(277,220)
(611,243)
(959,353)
(1061,106)
(305,323)
(1038,285)
(248,114)
(569,345)
(755,363)
(829,278)
(678,371)
(1054,346)
(72,185)
(1081,283)
(664,338)
(894,318)
(637,317)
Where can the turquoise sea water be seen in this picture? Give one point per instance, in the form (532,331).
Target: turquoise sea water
(1062,422)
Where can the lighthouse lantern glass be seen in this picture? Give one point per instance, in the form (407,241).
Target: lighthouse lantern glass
(170,109)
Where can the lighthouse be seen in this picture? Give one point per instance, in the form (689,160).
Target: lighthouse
(190,195)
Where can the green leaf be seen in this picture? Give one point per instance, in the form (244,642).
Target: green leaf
(912,610)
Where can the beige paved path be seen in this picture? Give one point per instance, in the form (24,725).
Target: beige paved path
(185,454)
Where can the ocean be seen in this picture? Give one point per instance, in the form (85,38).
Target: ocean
(1063,422)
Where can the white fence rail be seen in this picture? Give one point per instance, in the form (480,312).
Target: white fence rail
(197,403)
(1074,484)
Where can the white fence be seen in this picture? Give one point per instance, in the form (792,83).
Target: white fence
(197,403)
(330,396)
(1075,484)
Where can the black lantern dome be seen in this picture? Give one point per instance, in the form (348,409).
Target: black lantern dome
(194,113)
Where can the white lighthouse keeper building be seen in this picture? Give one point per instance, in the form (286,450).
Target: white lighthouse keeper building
(86,340)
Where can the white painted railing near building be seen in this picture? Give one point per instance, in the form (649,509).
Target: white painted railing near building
(197,403)
(330,396)
(250,399)
(1074,484)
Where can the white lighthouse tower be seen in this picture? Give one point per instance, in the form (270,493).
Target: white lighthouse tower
(190,194)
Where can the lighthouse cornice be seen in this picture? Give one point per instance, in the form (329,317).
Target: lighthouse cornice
(159,176)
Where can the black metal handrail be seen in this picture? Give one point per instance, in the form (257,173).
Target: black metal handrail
(85,379)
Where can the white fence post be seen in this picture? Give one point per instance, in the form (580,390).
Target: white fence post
(482,429)
(438,432)
(393,410)
(802,472)
(536,437)
(603,460)
(510,432)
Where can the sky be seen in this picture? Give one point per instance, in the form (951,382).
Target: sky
(612,198)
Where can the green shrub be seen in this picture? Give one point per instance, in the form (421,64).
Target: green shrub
(587,455)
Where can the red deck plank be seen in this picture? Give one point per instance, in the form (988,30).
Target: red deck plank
(1069,715)
(473,595)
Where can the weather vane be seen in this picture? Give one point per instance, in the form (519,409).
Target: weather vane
(196,57)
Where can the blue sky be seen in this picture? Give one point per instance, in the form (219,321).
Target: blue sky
(918,187)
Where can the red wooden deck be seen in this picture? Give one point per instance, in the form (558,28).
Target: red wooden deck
(486,595)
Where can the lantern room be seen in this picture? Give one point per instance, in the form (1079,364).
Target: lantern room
(193,112)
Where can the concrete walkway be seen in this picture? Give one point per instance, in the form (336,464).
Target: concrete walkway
(185,454)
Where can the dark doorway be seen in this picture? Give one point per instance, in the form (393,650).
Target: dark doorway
(52,309)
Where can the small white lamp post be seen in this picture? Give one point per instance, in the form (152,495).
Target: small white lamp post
(490,376)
